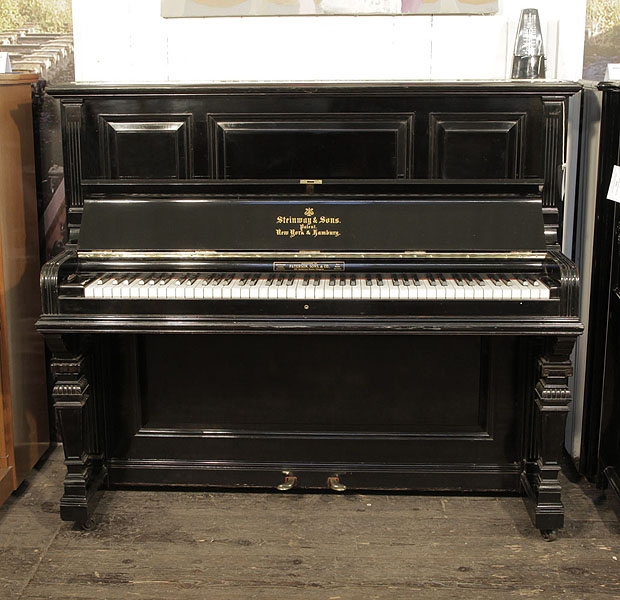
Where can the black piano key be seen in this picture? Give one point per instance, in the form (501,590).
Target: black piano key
(369,280)
(405,280)
(457,278)
(379,279)
(306,280)
(442,280)
(254,279)
(280,280)
(332,280)
(416,280)
(353,280)
(290,280)
(343,280)
(317,280)
(395,280)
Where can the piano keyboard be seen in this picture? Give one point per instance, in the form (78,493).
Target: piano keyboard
(319,286)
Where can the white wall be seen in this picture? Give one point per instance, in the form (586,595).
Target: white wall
(127,40)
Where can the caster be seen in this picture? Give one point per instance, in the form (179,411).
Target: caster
(88,525)
(549,535)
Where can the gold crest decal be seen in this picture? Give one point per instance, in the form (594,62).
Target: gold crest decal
(309,212)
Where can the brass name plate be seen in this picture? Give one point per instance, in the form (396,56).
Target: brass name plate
(308,266)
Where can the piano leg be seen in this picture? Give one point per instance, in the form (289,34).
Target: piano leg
(79,425)
(550,406)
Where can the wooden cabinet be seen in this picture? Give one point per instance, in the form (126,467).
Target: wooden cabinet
(24,431)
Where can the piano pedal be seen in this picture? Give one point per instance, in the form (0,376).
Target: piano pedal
(334,484)
(290,481)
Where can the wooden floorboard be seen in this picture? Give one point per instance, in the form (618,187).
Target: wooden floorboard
(208,545)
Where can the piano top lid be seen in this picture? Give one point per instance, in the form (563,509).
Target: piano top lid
(320,222)
(536,87)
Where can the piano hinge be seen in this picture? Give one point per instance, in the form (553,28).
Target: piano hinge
(310,183)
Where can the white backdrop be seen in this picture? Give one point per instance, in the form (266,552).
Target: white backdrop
(128,40)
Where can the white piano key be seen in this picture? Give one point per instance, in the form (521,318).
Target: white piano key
(365,289)
(272,290)
(403,290)
(338,290)
(440,290)
(450,289)
(328,290)
(524,290)
(190,288)
(170,288)
(291,289)
(235,288)
(384,289)
(347,290)
(227,287)
(94,289)
(108,288)
(506,291)
(134,288)
(430,293)
(487,289)
(281,290)
(478,291)
(254,290)
(199,288)
(468,290)
(498,292)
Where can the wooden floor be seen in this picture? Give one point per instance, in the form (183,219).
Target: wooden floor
(212,546)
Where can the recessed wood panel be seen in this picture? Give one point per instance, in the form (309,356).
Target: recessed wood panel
(145,146)
(476,145)
(325,146)
(263,399)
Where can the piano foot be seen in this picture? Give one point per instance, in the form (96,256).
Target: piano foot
(540,477)
(79,425)
(549,535)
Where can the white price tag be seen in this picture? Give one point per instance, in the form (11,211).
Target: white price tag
(614,185)
(612,73)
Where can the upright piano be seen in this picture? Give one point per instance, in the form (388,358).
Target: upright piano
(338,287)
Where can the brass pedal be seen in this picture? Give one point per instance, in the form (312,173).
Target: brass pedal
(290,481)
(334,484)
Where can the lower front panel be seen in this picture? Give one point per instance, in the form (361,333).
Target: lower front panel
(378,411)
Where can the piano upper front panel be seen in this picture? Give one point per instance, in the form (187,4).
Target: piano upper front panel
(321,146)
(477,145)
(168,137)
